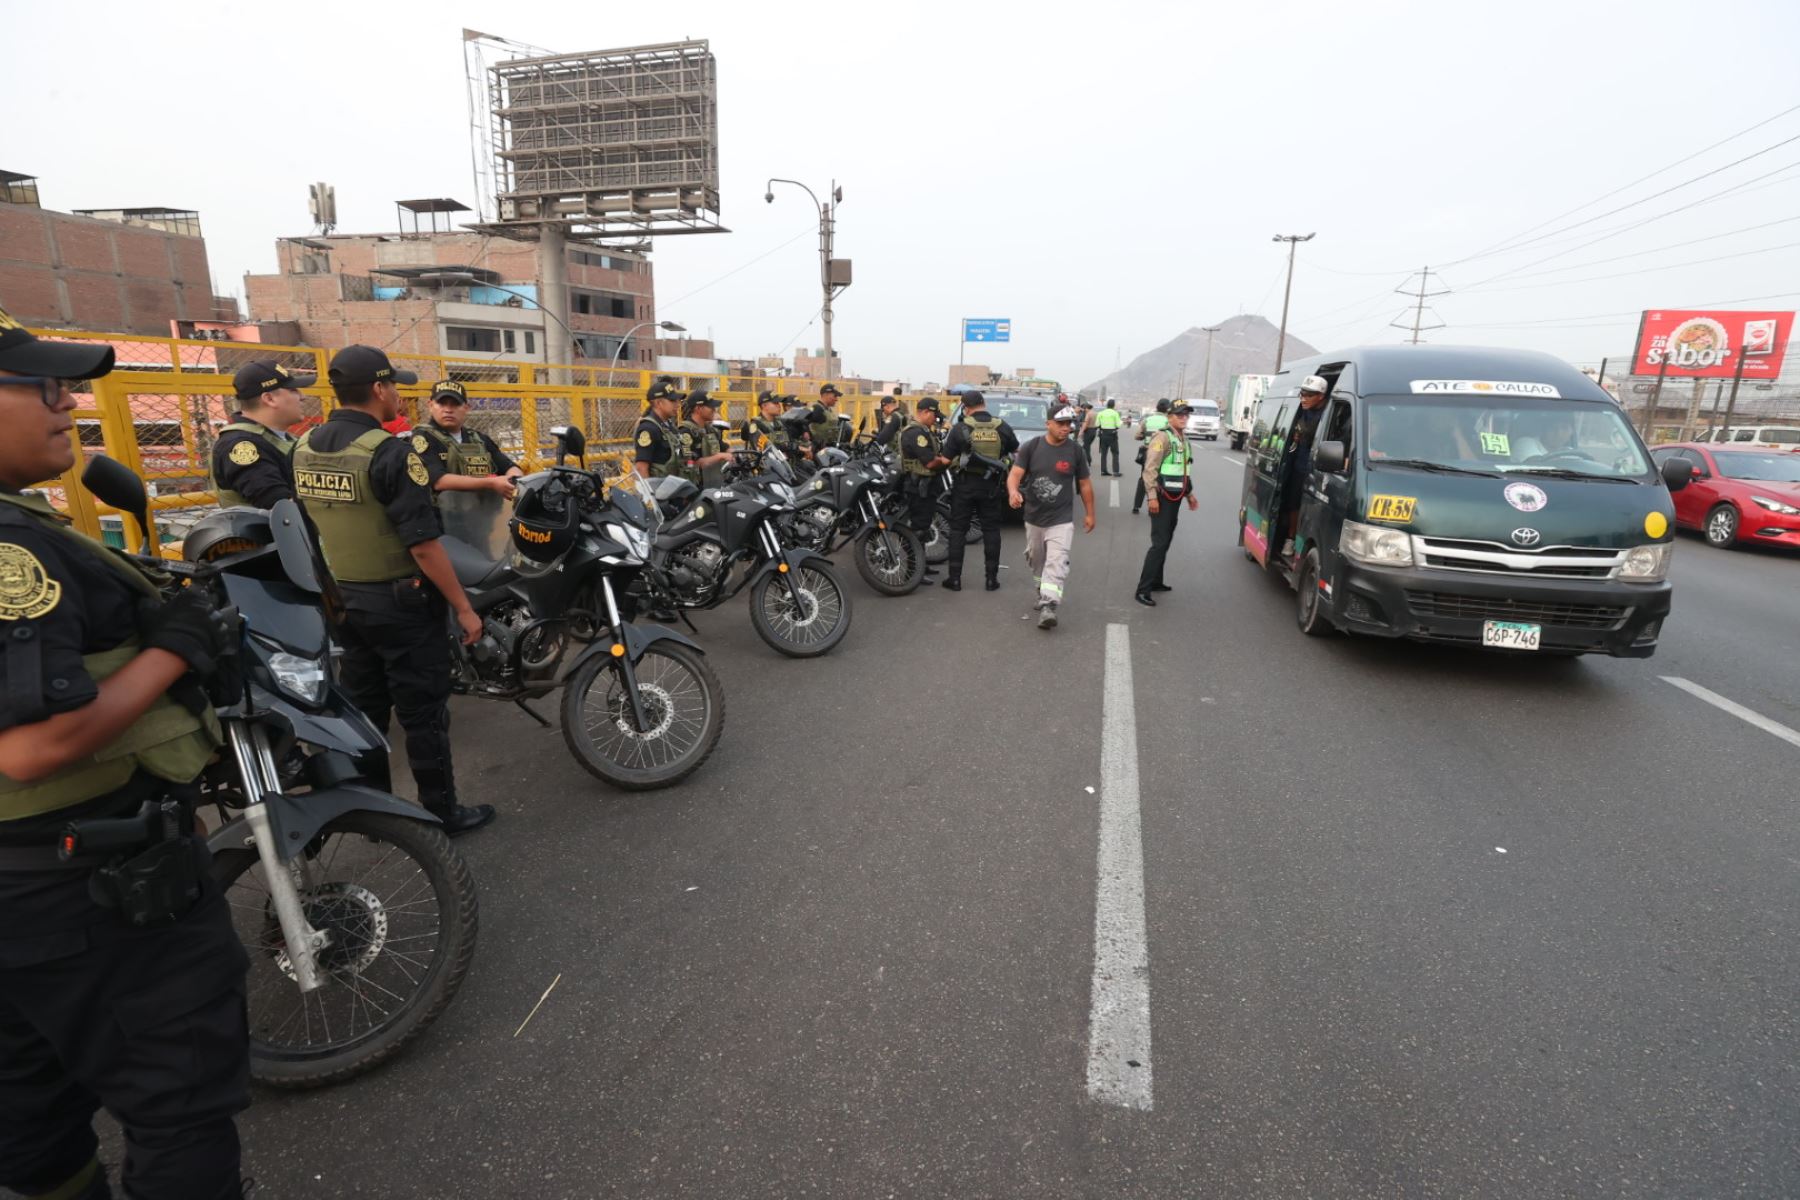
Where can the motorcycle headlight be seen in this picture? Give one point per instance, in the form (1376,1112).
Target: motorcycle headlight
(633,539)
(1647,564)
(302,678)
(1775,505)
(1375,546)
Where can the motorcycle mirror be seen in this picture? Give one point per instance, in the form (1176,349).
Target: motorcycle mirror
(570,440)
(293,545)
(113,483)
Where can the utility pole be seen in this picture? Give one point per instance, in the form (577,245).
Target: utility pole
(1737,377)
(1206,374)
(834,276)
(1293,240)
(1418,325)
(1180,380)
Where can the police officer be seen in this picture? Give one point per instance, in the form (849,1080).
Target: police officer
(108,997)
(921,458)
(765,429)
(369,495)
(981,446)
(1166,460)
(1106,423)
(656,441)
(252,460)
(1085,429)
(703,453)
(1154,423)
(890,420)
(823,428)
(457,458)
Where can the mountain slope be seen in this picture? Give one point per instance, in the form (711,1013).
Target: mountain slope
(1243,345)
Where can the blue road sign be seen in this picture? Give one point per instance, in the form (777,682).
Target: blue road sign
(987,329)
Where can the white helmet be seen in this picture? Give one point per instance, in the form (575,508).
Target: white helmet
(1313,383)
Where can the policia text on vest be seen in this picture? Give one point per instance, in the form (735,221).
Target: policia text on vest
(90,728)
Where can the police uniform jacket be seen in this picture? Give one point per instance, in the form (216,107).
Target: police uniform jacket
(256,465)
(435,445)
(655,442)
(400,485)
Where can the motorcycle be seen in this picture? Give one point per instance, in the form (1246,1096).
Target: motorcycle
(641,708)
(841,505)
(701,560)
(358,915)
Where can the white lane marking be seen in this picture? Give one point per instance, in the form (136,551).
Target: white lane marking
(1115,494)
(1236,462)
(1735,709)
(1118,1069)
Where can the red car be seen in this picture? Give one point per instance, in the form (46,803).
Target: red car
(1746,495)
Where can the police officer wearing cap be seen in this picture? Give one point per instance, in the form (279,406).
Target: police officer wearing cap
(252,460)
(457,458)
(891,421)
(656,442)
(765,429)
(823,427)
(126,998)
(1166,461)
(369,495)
(703,453)
(1156,421)
(921,458)
(981,446)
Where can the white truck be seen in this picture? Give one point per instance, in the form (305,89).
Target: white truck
(1240,406)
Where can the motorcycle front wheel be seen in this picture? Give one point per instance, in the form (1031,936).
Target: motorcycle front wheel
(891,560)
(399,905)
(937,538)
(810,629)
(683,703)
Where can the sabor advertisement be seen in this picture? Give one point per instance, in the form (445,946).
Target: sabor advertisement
(1709,345)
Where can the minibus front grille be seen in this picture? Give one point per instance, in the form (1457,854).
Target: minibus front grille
(1482,608)
(1495,558)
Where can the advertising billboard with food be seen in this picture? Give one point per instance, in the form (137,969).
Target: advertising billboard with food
(1708,345)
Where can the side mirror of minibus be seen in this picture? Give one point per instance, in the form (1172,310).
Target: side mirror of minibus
(1331,456)
(1676,472)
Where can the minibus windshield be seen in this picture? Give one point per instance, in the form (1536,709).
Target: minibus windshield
(1514,436)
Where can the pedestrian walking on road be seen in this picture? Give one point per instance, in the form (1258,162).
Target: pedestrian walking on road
(1107,422)
(1045,476)
(981,446)
(1166,479)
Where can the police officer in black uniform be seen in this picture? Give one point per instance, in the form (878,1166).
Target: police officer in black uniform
(766,429)
(889,420)
(656,442)
(457,458)
(981,446)
(823,427)
(921,458)
(702,450)
(106,998)
(369,495)
(252,461)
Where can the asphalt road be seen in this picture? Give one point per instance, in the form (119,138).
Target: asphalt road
(1419,922)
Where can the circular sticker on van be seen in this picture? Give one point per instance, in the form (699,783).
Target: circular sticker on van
(1526,497)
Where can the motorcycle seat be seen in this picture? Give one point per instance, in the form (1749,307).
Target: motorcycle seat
(472,567)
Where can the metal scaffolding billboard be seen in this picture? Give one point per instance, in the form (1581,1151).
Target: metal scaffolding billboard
(608,143)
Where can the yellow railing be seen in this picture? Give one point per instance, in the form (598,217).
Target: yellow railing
(159,409)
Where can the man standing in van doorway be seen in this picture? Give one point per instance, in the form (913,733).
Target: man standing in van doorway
(1166,484)
(1300,455)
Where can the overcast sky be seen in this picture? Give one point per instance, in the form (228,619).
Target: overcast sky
(1105,175)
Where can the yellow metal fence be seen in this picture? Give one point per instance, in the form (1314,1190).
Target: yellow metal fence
(160,410)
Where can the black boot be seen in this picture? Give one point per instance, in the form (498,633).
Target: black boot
(951,583)
(993,583)
(1144,598)
(459,818)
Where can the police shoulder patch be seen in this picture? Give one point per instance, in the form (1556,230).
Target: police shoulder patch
(415,470)
(243,452)
(643,437)
(26,589)
(923,441)
(421,443)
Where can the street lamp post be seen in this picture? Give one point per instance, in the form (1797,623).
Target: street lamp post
(827,231)
(670,326)
(1293,240)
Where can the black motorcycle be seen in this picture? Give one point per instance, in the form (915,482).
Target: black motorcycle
(842,504)
(358,914)
(717,542)
(641,708)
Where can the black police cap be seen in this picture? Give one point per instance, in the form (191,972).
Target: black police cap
(24,353)
(260,378)
(366,364)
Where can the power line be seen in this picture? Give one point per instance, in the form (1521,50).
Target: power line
(1420,296)
(1629,312)
(807,232)
(1711,237)
(1641,271)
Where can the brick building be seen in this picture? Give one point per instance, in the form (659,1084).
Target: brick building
(125,270)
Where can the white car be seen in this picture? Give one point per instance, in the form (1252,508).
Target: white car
(1203,422)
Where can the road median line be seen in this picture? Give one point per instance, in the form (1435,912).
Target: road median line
(1747,715)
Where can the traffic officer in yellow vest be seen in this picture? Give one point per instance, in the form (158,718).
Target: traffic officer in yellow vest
(921,459)
(765,428)
(457,458)
(1107,421)
(252,460)
(127,998)
(824,429)
(655,441)
(1166,460)
(369,496)
(981,446)
(703,453)
(1157,420)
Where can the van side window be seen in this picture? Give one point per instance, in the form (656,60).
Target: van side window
(1338,423)
(1744,435)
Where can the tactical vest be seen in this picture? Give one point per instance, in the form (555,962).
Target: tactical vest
(284,447)
(907,438)
(698,442)
(984,439)
(1108,418)
(1171,474)
(460,457)
(671,438)
(167,741)
(825,432)
(1155,423)
(763,434)
(361,545)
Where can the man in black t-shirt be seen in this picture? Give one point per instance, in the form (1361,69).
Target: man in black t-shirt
(1045,476)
